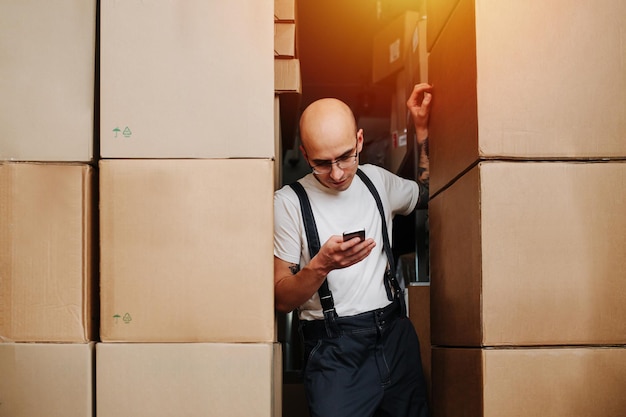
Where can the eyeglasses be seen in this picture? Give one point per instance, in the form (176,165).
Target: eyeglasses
(343,162)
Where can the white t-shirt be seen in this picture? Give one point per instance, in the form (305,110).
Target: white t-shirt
(360,287)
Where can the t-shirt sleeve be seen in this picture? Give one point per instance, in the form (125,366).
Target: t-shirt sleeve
(403,194)
(287,226)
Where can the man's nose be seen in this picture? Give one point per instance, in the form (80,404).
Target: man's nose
(335,172)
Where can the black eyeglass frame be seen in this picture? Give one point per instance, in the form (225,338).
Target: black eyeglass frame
(328,165)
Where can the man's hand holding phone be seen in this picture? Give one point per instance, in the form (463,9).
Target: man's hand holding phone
(337,253)
(351,235)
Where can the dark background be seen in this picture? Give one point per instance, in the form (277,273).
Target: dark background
(334,45)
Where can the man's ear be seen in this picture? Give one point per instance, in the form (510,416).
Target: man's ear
(360,140)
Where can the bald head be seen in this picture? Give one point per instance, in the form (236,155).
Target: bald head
(326,121)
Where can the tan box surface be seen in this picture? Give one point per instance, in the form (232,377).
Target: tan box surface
(530,253)
(547,382)
(47,83)
(187,80)
(285,10)
(507,80)
(46,267)
(284,39)
(287,77)
(197,379)
(46,379)
(187,250)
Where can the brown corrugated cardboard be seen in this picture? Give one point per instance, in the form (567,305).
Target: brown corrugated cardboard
(453,64)
(46,252)
(438,13)
(186,80)
(287,77)
(196,379)
(393,46)
(46,379)
(47,83)
(186,250)
(547,382)
(508,84)
(284,40)
(285,10)
(530,253)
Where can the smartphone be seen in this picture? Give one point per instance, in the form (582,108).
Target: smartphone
(351,235)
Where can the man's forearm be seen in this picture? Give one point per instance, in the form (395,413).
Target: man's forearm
(295,289)
(423,173)
(423,164)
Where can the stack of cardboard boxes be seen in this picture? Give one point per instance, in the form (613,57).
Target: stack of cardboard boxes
(287,73)
(166,230)
(47,308)
(186,183)
(287,79)
(527,228)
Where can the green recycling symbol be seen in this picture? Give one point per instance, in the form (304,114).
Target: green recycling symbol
(126,132)
(126,318)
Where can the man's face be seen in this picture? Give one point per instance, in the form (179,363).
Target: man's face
(335,160)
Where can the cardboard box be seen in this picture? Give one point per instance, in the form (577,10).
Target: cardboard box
(187,250)
(284,40)
(47,379)
(547,382)
(47,83)
(46,252)
(530,254)
(393,46)
(419,314)
(438,13)
(196,379)
(287,78)
(190,80)
(285,10)
(508,84)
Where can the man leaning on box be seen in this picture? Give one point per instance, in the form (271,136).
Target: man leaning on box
(362,355)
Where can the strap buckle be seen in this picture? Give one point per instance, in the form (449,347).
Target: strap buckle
(327,302)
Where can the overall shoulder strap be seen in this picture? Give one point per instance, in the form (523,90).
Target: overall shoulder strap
(381,210)
(391,270)
(313,241)
(308,218)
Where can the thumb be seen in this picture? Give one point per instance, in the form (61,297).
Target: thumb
(427,98)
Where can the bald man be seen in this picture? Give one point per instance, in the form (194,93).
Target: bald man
(361,351)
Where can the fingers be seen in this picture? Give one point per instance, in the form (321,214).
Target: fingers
(338,254)
(421,88)
(427,98)
(356,251)
(421,96)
